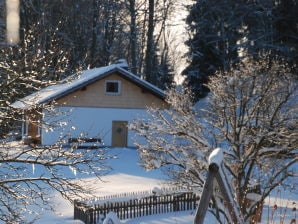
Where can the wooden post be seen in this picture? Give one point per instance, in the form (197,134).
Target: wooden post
(216,172)
(229,203)
(206,194)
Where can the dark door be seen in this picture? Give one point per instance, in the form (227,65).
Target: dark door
(119,133)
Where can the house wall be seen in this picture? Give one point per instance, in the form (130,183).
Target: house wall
(89,121)
(94,95)
(90,112)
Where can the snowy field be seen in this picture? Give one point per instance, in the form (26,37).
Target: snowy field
(128,176)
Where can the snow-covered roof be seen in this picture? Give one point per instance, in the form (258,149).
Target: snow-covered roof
(79,80)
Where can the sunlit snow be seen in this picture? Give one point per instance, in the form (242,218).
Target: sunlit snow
(128,176)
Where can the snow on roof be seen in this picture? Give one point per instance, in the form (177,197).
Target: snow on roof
(79,80)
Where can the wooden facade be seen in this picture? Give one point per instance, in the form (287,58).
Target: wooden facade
(131,96)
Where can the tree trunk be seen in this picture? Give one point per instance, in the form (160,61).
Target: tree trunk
(94,32)
(2,22)
(149,71)
(133,36)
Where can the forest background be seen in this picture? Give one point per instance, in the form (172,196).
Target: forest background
(60,37)
(158,38)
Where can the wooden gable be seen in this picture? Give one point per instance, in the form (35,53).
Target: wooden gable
(94,94)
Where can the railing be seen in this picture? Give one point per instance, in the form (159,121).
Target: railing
(135,207)
(85,143)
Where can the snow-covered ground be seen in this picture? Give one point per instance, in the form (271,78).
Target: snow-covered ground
(128,176)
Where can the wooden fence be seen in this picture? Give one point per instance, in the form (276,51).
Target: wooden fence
(138,207)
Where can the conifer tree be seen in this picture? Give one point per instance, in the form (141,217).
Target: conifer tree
(224,32)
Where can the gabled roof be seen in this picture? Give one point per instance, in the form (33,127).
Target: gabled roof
(80,80)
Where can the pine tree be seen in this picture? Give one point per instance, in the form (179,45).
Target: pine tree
(286,29)
(223,32)
(214,28)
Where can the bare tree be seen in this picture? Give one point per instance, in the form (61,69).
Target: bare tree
(29,66)
(99,32)
(133,35)
(254,109)
(158,17)
(149,22)
(251,112)
(175,140)
(30,175)
(150,51)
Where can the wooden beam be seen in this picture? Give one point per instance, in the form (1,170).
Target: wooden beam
(206,194)
(216,173)
(228,198)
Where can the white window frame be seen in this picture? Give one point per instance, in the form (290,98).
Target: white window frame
(113,81)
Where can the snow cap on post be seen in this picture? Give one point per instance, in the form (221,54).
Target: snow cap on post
(216,157)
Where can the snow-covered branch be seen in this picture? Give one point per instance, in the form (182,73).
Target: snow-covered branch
(251,112)
(30,175)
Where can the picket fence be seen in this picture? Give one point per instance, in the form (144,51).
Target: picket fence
(131,208)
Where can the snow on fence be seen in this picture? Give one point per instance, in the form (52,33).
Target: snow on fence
(135,205)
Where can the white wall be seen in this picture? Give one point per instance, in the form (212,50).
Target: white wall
(66,122)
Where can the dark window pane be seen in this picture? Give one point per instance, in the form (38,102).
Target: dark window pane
(112,87)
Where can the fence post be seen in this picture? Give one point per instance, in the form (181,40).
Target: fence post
(79,213)
(75,209)
(90,217)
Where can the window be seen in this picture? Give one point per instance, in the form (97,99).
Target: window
(113,87)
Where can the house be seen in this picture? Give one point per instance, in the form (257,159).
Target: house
(98,103)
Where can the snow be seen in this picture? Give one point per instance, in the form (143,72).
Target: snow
(216,157)
(253,196)
(111,218)
(128,176)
